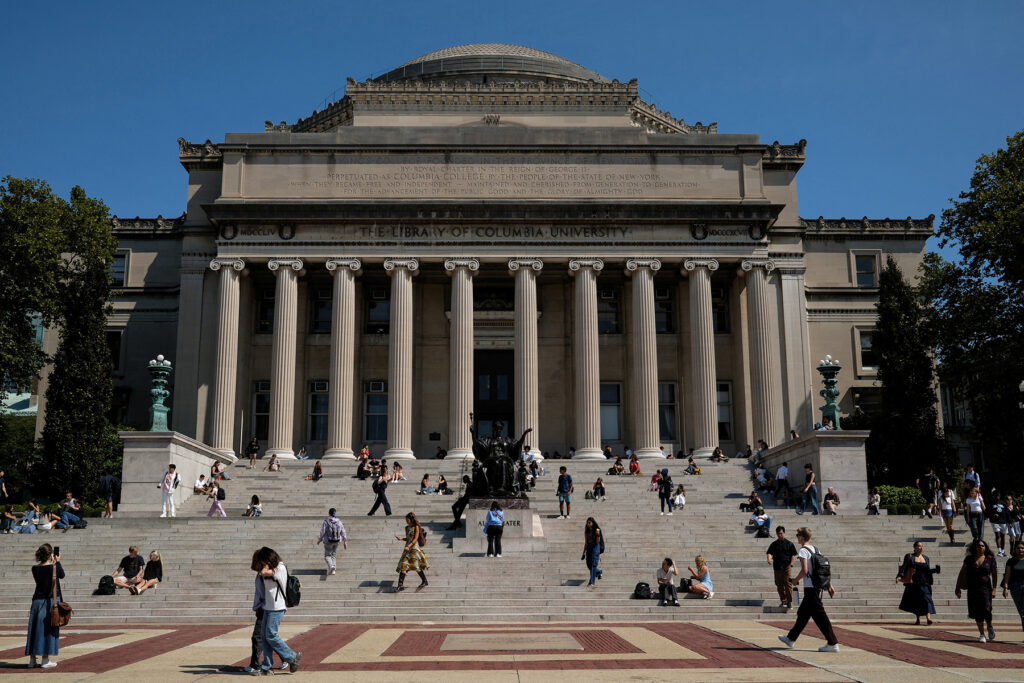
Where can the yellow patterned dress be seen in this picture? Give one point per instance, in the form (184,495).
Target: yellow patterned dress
(413,559)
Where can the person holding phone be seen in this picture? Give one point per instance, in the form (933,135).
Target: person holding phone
(42,639)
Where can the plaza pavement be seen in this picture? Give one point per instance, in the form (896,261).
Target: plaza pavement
(743,650)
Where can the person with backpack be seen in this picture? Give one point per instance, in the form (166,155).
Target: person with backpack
(332,532)
(665,491)
(593,546)
(167,486)
(217,494)
(380,486)
(564,493)
(275,577)
(816,575)
(413,559)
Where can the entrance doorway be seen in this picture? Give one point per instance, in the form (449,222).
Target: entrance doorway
(493,398)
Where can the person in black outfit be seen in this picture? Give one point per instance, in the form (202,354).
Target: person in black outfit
(128,572)
(810,606)
(916,576)
(781,555)
(43,639)
(153,574)
(459,506)
(380,488)
(1013,579)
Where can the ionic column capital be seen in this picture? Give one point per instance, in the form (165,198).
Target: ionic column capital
(577,264)
(275,263)
(690,265)
(749,264)
(410,264)
(236,263)
(352,264)
(515,264)
(634,264)
(453,264)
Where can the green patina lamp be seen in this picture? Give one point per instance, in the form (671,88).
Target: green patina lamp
(160,369)
(829,368)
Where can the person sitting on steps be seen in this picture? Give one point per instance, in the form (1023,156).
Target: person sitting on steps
(599,489)
(274,465)
(153,574)
(666,583)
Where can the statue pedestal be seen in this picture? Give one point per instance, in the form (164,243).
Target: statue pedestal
(523,529)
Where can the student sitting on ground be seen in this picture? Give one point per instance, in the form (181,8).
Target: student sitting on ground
(317,474)
(274,465)
(217,473)
(691,467)
(679,499)
(634,466)
(425,487)
(753,503)
(153,574)
(255,508)
(618,468)
(129,572)
(396,472)
(534,473)
(761,522)
(442,485)
(599,489)
(202,485)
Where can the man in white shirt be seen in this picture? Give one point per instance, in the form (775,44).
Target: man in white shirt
(167,486)
(666,583)
(201,485)
(275,577)
(810,606)
(781,480)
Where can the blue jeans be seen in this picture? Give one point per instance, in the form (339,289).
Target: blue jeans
(593,554)
(811,495)
(271,641)
(67,519)
(976,523)
(666,500)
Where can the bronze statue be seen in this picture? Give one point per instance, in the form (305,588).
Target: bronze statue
(498,456)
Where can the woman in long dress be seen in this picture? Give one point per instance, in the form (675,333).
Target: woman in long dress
(979,577)
(413,559)
(43,640)
(916,576)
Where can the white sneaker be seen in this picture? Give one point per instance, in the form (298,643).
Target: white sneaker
(561,517)
(48,665)
(498,555)
(829,648)
(567,517)
(162,516)
(333,571)
(670,514)
(283,667)
(786,641)
(489,555)
(982,639)
(662,514)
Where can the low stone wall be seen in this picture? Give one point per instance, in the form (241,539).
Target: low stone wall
(146,457)
(837,458)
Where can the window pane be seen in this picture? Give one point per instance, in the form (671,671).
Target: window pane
(666,393)
(608,316)
(502,389)
(263,403)
(377,403)
(609,423)
(378,316)
(318,428)
(720,309)
(117,268)
(376,427)
(667,422)
(318,404)
(262,427)
(484,387)
(868,357)
(663,317)
(609,393)
(321,321)
(265,315)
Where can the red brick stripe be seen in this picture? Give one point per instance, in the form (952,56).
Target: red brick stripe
(131,653)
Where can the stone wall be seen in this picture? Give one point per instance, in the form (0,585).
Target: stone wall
(146,457)
(837,458)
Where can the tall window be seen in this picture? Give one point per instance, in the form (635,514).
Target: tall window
(318,402)
(265,311)
(868,357)
(375,411)
(118,269)
(378,310)
(720,309)
(320,316)
(608,319)
(664,313)
(667,411)
(865,270)
(724,391)
(261,410)
(611,407)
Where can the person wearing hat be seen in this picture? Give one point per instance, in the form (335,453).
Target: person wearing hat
(665,490)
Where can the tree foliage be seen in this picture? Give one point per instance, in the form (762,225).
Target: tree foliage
(905,439)
(977,314)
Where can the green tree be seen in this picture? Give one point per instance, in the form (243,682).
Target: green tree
(977,313)
(905,439)
(78,437)
(31,241)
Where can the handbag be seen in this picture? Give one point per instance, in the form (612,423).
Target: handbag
(60,613)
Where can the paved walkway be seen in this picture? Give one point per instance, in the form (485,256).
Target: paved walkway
(722,650)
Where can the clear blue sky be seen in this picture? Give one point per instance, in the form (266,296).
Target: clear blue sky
(896,99)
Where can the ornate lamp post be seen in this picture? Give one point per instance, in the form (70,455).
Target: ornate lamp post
(829,368)
(160,369)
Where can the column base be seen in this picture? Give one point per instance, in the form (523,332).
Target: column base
(281,453)
(537,455)
(649,453)
(589,454)
(338,454)
(399,454)
(227,453)
(704,452)
(459,454)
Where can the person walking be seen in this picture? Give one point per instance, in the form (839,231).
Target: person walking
(493,527)
(947,505)
(1013,579)
(810,491)
(215,495)
(259,595)
(275,575)
(811,606)
(665,491)
(916,576)
(564,492)
(167,486)
(666,583)
(253,450)
(108,486)
(332,532)
(413,559)
(998,517)
(781,555)
(43,640)
(593,546)
(974,510)
(380,487)
(978,576)
(459,506)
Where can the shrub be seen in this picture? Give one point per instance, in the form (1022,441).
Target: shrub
(893,496)
(902,509)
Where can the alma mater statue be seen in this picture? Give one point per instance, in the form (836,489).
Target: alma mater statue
(498,455)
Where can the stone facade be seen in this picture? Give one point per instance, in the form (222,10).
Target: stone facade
(516,239)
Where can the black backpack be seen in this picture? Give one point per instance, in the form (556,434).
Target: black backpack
(375,485)
(106,586)
(821,571)
(221,493)
(80,524)
(292,591)
(642,591)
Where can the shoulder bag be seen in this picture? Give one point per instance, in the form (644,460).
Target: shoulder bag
(60,613)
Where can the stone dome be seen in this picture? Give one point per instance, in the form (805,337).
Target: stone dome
(490,61)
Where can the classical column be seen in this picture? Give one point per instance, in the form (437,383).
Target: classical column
(644,391)
(702,355)
(585,356)
(764,394)
(460,385)
(527,410)
(185,418)
(223,428)
(401,271)
(343,322)
(282,364)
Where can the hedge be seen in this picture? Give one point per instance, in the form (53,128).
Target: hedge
(896,496)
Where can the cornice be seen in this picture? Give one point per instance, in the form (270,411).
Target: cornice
(147,227)
(194,155)
(906,228)
(792,157)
